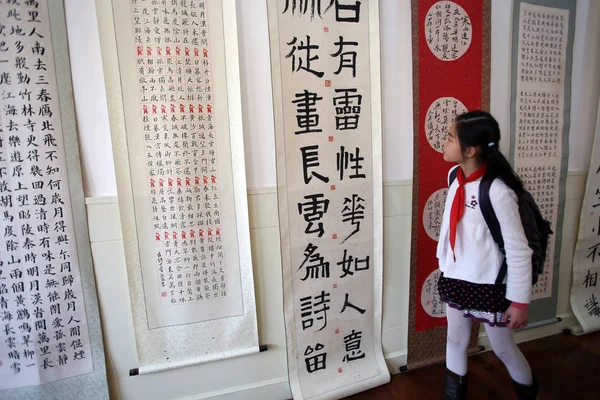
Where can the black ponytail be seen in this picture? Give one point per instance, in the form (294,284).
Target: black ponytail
(479,129)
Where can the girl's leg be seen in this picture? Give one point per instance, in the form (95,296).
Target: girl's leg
(506,349)
(459,333)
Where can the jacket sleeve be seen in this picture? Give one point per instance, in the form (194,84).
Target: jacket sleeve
(518,253)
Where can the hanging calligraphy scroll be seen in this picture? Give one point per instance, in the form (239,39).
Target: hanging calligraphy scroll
(326,89)
(451,73)
(49,322)
(543,33)
(585,293)
(180,167)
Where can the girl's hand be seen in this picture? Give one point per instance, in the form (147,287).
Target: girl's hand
(518,317)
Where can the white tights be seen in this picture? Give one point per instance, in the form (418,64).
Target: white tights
(503,344)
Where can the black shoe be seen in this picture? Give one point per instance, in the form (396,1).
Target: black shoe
(527,392)
(455,386)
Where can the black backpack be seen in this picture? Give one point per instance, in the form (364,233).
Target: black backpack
(537,229)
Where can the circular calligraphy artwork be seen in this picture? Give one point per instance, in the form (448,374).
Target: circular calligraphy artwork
(430,298)
(439,117)
(433,213)
(448,30)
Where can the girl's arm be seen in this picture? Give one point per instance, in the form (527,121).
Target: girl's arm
(518,252)
(522,306)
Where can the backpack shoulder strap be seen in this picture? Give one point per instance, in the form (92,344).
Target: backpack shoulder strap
(491,220)
(452,175)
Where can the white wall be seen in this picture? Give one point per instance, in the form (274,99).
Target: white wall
(264,375)
(257,104)
(90,99)
(586,83)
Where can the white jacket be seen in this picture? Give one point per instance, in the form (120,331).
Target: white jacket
(478,257)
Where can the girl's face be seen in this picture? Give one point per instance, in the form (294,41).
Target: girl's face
(452,151)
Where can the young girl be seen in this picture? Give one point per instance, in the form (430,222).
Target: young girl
(470,259)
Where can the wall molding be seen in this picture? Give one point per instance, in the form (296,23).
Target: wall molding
(577,172)
(278,388)
(396,360)
(272,189)
(94,200)
(269,189)
(265,189)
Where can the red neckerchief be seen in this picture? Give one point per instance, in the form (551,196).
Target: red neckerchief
(458,204)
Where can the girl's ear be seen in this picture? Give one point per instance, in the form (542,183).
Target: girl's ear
(471,151)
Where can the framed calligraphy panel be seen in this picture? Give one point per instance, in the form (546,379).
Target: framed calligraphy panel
(451,75)
(326,89)
(585,293)
(49,321)
(176,120)
(543,32)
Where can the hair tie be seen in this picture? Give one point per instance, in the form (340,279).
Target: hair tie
(490,144)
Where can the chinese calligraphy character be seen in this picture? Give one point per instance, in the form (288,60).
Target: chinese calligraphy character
(307,117)
(348,304)
(308,308)
(594,252)
(353,212)
(347,58)
(347,12)
(592,306)
(347,112)
(344,159)
(316,362)
(310,159)
(314,210)
(348,262)
(590,279)
(297,61)
(317,266)
(302,6)
(352,343)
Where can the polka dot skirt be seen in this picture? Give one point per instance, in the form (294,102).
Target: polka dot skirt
(480,302)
